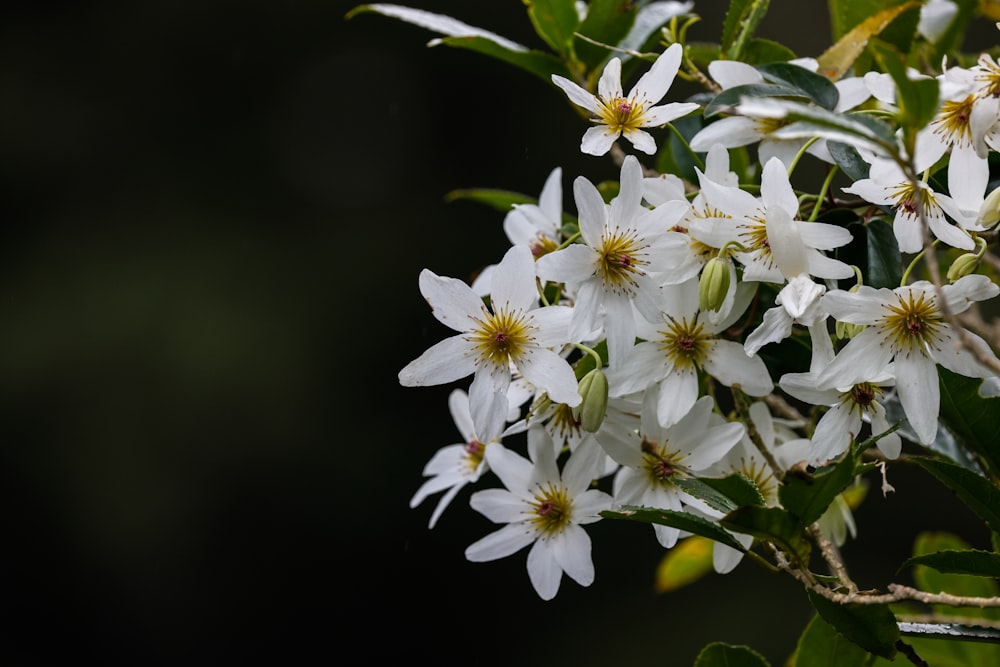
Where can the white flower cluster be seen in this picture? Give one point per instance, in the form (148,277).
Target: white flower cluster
(658,279)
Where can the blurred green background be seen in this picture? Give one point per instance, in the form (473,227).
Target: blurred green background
(215,214)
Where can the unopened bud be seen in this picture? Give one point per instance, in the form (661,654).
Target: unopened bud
(594,391)
(989,211)
(713,285)
(847,330)
(963,266)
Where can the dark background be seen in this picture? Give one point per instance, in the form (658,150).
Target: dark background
(214,218)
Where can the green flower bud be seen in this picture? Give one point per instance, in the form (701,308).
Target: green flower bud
(963,266)
(713,285)
(594,390)
(989,212)
(847,330)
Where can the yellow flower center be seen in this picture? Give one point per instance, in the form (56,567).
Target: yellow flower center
(662,466)
(952,122)
(988,77)
(551,510)
(911,199)
(912,325)
(621,115)
(502,337)
(621,259)
(685,343)
(863,397)
(474,451)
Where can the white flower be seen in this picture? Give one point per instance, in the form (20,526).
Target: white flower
(619,115)
(666,362)
(906,326)
(887,185)
(653,458)
(537,226)
(513,332)
(543,509)
(777,245)
(935,17)
(623,246)
(796,303)
(849,404)
(454,466)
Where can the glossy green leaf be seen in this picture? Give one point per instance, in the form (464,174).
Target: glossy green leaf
(607,22)
(839,58)
(820,645)
(772,524)
(977,492)
(973,419)
(807,495)
(542,65)
(849,160)
(501,200)
(718,654)
(687,562)
(973,562)
(870,626)
(807,121)
(816,86)
(731,97)
(682,520)
(884,261)
(554,21)
(739,488)
(702,491)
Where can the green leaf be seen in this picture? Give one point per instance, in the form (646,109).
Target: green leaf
(809,120)
(807,495)
(973,419)
(718,654)
(849,160)
(973,562)
(934,581)
(682,520)
(730,97)
(554,21)
(820,645)
(607,22)
(686,563)
(759,50)
(981,495)
(675,156)
(501,200)
(885,263)
(542,65)
(917,99)
(870,626)
(772,524)
(838,59)
(817,87)
(439,23)
(702,491)
(739,488)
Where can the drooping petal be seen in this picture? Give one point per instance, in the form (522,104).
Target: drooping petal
(572,551)
(919,394)
(598,140)
(544,570)
(775,326)
(833,433)
(642,141)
